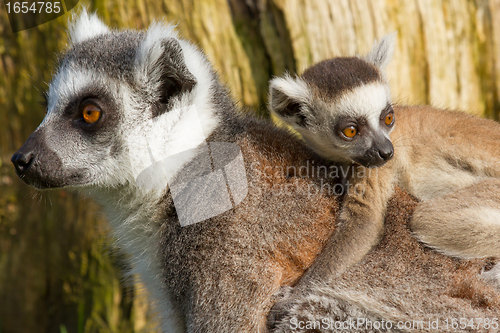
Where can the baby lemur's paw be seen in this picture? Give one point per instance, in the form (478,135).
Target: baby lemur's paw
(280,309)
(288,305)
(318,310)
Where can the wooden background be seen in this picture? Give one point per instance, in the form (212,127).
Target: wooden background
(58,272)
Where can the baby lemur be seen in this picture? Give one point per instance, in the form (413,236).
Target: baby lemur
(449,160)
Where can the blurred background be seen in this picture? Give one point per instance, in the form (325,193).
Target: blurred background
(58,269)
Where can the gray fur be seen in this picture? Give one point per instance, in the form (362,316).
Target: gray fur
(381,54)
(112,53)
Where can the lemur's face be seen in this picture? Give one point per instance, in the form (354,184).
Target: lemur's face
(354,127)
(115,97)
(341,107)
(80,135)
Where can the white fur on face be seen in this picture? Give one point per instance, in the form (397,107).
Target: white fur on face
(366,101)
(66,84)
(73,151)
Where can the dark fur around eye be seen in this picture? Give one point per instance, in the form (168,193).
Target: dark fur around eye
(388,109)
(345,123)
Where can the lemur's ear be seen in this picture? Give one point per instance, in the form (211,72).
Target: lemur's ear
(288,98)
(381,53)
(161,69)
(83,26)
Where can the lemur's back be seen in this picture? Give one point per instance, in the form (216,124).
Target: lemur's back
(437,151)
(266,242)
(400,281)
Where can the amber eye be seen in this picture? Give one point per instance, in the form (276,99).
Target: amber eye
(389,119)
(350,132)
(91,114)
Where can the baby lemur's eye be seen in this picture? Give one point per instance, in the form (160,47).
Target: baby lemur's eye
(350,131)
(91,113)
(389,119)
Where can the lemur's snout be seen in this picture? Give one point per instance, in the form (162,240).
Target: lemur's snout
(379,153)
(39,166)
(22,161)
(387,152)
(383,146)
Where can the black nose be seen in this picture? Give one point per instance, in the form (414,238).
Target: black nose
(386,153)
(22,161)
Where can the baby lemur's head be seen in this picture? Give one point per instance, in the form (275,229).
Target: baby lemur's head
(342,106)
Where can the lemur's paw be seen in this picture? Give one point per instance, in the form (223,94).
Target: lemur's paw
(318,309)
(285,299)
(296,307)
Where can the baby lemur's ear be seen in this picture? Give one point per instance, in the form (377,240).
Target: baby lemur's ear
(161,69)
(381,53)
(288,99)
(83,26)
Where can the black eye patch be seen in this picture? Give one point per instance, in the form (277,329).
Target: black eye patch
(97,95)
(388,109)
(102,98)
(359,123)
